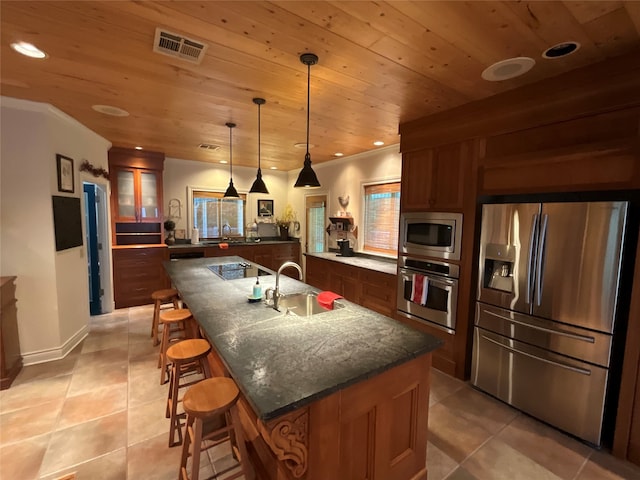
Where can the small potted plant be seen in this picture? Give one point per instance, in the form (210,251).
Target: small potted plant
(170,227)
(284,221)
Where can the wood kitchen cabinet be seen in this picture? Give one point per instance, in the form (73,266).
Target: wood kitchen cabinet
(433,178)
(136,196)
(10,357)
(137,273)
(274,255)
(317,273)
(371,289)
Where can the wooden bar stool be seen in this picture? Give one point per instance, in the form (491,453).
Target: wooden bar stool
(202,402)
(175,328)
(186,357)
(160,297)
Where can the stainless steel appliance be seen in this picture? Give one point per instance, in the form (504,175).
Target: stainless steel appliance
(431,234)
(234,271)
(437,298)
(545,318)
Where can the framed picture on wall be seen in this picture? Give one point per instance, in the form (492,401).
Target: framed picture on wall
(65,173)
(265,208)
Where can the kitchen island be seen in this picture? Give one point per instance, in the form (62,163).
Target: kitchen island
(341,394)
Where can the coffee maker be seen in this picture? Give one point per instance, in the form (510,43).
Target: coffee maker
(345,249)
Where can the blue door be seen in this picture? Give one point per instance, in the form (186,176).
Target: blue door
(95,307)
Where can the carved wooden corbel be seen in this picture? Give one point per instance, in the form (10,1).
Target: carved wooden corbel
(287,437)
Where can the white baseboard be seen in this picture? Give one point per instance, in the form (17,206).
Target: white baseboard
(58,353)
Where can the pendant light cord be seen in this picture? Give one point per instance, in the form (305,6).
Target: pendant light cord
(258,137)
(307,156)
(230,154)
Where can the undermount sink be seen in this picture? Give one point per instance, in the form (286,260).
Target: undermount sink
(303,304)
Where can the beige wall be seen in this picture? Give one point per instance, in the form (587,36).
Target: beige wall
(347,176)
(180,174)
(52,287)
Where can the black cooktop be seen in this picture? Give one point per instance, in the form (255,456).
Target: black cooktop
(234,271)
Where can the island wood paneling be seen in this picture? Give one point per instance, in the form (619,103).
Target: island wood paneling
(375,429)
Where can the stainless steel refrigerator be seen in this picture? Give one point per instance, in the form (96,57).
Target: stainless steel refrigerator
(547,298)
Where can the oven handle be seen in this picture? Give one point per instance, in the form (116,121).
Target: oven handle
(433,279)
(575,336)
(535,357)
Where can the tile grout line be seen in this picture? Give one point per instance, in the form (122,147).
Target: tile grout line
(488,440)
(64,401)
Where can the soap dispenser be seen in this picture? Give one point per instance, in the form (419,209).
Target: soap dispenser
(257,289)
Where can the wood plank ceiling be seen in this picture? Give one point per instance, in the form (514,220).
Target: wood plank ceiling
(380,64)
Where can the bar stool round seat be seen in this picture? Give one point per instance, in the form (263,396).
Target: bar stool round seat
(187,357)
(174,328)
(208,398)
(159,297)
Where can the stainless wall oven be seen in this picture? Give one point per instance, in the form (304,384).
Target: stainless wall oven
(428,291)
(432,234)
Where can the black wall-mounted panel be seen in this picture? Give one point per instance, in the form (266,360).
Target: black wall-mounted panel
(67,221)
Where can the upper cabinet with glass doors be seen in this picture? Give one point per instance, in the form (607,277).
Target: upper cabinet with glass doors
(136,196)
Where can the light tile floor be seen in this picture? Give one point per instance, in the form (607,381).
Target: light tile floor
(99,413)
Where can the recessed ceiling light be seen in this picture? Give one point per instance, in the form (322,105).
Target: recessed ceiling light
(509,68)
(110,110)
(303,145)
(224,161)
(378,143)
(138,148)
(338,154)
(28,49)
(273,168)
(561,50)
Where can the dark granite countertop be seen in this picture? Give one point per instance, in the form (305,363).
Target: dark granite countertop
(231,243)
(377,264)
(283,362)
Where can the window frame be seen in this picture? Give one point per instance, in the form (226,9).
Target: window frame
(372,183)
(190,220)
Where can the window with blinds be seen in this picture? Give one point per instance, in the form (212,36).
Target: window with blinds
(217,217)
(381,217)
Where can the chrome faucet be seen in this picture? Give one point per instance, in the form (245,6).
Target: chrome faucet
(275,293)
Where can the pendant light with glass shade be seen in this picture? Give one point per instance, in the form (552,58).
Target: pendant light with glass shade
(258,184)
(231,190)
(307,177)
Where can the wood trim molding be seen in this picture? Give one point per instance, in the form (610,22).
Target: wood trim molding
(630,367)
(606,86)
(129,157)
(288,438)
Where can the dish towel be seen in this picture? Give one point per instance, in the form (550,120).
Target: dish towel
(327,298)
(420,289)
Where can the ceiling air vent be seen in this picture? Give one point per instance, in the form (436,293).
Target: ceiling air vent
(209,146)
(169,43)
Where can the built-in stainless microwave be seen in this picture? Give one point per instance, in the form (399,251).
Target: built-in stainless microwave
(432,234)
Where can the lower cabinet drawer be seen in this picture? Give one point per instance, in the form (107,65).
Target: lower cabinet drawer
(137,273)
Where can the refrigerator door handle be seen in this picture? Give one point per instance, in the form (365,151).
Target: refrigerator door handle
(540,259)
(532,239)
(574,336)
(582,371)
